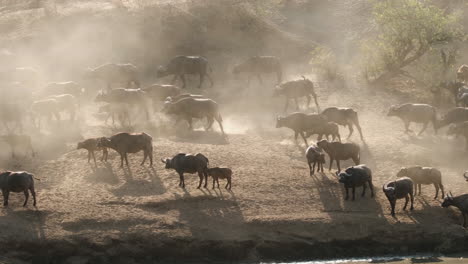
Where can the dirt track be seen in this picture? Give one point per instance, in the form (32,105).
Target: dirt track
(274,211)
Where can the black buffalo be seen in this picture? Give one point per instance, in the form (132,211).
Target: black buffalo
(187,163)
(181,65)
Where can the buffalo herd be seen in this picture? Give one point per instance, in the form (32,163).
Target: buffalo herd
(123,93)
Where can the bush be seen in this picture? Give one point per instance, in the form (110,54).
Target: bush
(407,30)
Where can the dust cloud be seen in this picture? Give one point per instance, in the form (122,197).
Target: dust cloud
(58,41)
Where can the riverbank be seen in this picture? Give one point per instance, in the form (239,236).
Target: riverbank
(272,242)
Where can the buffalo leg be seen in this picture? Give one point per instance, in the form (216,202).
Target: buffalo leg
(412,201)
(213,183)
(150,155)
(318,108)
(189,120)
(415,189)
(303,137)
(137,83)
(437,190)
(354,192)
(104,154)
(174,78)
(33,192)
(182,77)
(145,156)
(423,128)
(210,123)
(6,194)
(279,75)
(202,78)
(331,162)
(407,124)
(392,204)
(217,182)
(338,165)
(121,159)
(26,197)
(308,101)
(145,109)
(356,160)
(363,190)
(406,202)
(209,79)
(13,152)
(297,104)
(220,123)
(126,159)
(442,189)
(206,179)
(311,168)
(89,155)
(181,180)
(94,157)
(419,187)
(200,175)
(464,219)
(33,154)
(371,187)
(321,165)
(351,130)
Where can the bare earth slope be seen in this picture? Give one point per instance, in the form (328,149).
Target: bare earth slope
(275,209)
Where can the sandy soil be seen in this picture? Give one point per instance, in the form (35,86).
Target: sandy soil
(274,211)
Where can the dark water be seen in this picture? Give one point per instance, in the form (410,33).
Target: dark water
(391,260)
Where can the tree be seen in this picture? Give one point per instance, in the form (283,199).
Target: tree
(406,30)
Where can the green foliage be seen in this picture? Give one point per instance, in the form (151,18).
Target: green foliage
(438,64)
(407,29)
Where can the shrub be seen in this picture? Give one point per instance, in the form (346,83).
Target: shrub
(405,31)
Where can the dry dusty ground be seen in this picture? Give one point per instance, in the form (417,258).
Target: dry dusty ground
(274,211)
